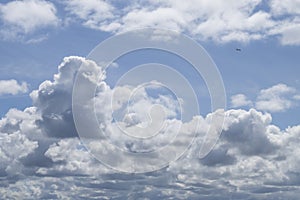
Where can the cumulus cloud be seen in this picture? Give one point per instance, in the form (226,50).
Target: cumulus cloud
(253,147)
(92,12)
(213,20)
(57,119)
(202,19)
(252,129)
(14,147)
(12,87)
(277,98)
(41,157)
(287,7)
(75,160)
(25,17)
(239,100)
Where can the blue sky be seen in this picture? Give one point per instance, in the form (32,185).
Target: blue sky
(262,86)
(260,64)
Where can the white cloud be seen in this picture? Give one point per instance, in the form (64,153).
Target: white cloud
(239,100)
(92,12)
(57,119)
(290,33)
(252,128)
(285,7)
(277,98)
(26,16)
(242,21)
(12,87)
(13,148)
(74,161)
(40,157)
(289,28)
(203,19)
(250,146)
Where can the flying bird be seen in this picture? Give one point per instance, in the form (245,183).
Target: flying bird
(238,49)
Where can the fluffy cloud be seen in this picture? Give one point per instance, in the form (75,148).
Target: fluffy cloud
(251,138)
(57,119)
(75,160)
(204,19)
(41,157)
(12,87)
(14,147)
(287,7)
(239,100)
(252,156)
(277,98)
(25,17)
(92,12)
(199,18)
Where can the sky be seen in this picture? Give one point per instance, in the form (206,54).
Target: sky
(153,108)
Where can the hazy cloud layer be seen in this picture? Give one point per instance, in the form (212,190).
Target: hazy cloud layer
(41,157)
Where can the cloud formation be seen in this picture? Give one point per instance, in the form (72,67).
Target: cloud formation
(56,118)
(42,158)
(202,19)
(12,87)
(278,98)
(205,20)
(20,18)
(239,100)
